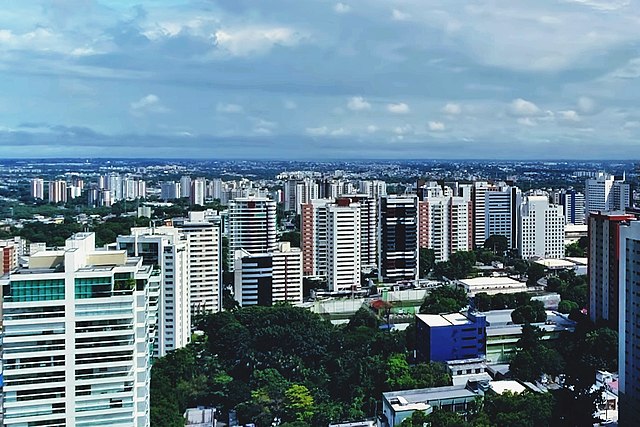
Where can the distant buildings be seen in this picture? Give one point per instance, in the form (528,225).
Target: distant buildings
(198,189)
(77,338)
(37,188)
(268,278)
(398,238)
(629,324)
(501,211)
(606,193)
(604,265)
(58,191)
(252,226)
(541,228)
(573,203)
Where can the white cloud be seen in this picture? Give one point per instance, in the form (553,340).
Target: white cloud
(319,131)
(569,115)
(372,128)
(398,15)
(436,126)
(339,132)
(452,109)
(229,108)
(527,121)
(246,41)
(399,108)
(522,107)
(603,5)
(586,105)
(290,105)
(147,104)
(342,8)
(358,103)
(404,129)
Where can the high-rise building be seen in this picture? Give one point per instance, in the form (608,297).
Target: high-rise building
(252,226)
(541,228)
(37,188)
(574,205)
(165,248)
(204,241)
(76,344)
(629,325)
(169,190)
(445,225)
(368,229)
(58,191)
(478,197)
(265,279)
(216,188)
(332,233)
(185,186)
(501,205)
(398,238)
(197,191)
(375,189)
(604,265)
(606,193)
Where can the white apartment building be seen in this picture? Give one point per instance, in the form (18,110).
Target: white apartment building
(167,249)
(265,279)
(170,190)
(252,226)
(37,188)
(629,324)
(58,191)
(198,187)
(541,228)
(331,234)
(368,229)
(445,225)
(77,337)
(204,242)
(185,186)
(606,193)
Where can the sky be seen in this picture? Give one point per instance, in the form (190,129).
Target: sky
(314,80)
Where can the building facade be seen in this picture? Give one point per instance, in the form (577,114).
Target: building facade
(252,226)
(541,229)
(398,238)
(77,339)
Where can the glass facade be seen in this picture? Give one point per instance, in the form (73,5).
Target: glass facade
(93,287)
(34,290)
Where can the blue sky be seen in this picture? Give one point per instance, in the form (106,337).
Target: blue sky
(307,79)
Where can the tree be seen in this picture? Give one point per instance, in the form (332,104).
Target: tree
(363,317)
(299,402)
(482,301)
(566,306)
(535,272)
(574,250)
(398,373)
(533,312)
(497,243)
(445,299)
(427,261)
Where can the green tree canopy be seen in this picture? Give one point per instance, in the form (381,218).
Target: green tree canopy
(445,299)
(497,243)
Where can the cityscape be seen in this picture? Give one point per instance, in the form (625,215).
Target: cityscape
(211,293)
(319,213)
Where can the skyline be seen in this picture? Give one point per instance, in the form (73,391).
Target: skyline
(320,80)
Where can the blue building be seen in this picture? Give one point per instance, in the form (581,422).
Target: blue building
(444,337)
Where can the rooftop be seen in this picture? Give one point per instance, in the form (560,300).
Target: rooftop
(488,281)
(439,320)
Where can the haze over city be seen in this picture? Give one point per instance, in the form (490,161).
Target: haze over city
(320,79)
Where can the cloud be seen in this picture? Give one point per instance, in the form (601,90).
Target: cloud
(452,109)
(436,126)
(319,131)
(247,41)
(372,128)
(399,16)
(569,115)
(586,105)
(358,103)
(229,108)
(399,108)
(341,8)
(402,130)
(527,121)
(521,107)
(290,105)
(147,104)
